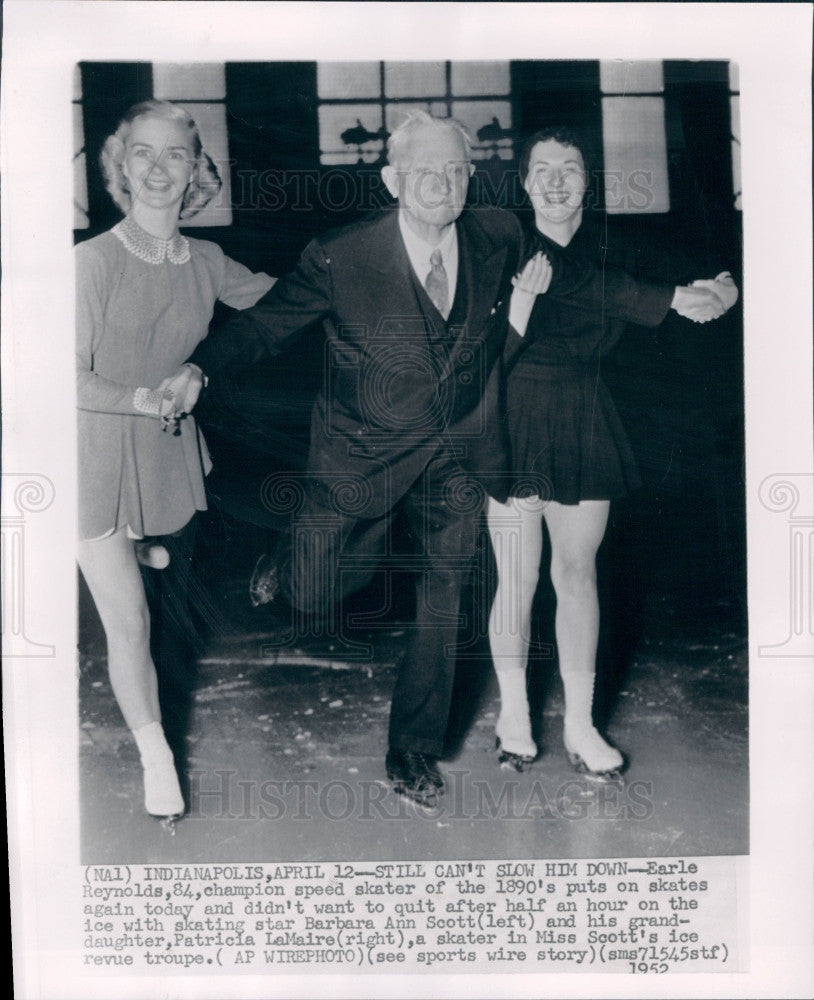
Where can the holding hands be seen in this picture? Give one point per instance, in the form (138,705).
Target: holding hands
(706,299)
(184,386)
(182,389)
(173,399)
(702,301)
(723,286)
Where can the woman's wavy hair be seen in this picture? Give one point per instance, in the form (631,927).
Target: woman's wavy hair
(205,183)
(565,136)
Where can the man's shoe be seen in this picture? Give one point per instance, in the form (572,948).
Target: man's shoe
(414,775)
(265,582)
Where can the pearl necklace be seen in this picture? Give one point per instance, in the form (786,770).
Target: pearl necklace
(150,248)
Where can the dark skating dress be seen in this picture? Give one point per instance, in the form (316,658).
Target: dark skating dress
(567,440)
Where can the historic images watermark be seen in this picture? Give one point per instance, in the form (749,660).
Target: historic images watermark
(347,496)
(365,370)
(792,494)
(23,493)
(223,794)
(340,190)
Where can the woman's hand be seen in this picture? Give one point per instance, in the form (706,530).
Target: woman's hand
(532,281)
(535,277)
(706,299)
(185,386)
(697,303)
(723,286)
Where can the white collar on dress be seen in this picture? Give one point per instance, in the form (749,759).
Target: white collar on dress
(150,248)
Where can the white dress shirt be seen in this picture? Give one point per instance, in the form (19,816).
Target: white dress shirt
(419,253)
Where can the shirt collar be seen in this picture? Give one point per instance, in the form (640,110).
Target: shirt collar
(419,251)
(150,248)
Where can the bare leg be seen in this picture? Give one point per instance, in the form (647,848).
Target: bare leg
(110,568)
(111,571)
(516,531)
(576,532)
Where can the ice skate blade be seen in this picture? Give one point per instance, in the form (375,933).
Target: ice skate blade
(612,776)
(167,823)
(509,760)
(424,798)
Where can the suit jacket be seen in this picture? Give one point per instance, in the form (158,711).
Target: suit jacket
(399,380)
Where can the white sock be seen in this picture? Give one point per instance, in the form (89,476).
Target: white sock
(514,724)
(580,735)
(152,743)
(578,688)
(162,792)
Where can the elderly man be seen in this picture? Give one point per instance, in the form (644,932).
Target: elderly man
(414,304)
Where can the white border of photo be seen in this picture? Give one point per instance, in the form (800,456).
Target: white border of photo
(42,43)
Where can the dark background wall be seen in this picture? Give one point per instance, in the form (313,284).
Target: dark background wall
(279,187)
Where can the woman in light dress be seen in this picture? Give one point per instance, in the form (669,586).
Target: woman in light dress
(145,295)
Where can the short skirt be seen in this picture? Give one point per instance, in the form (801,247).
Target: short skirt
(566,437)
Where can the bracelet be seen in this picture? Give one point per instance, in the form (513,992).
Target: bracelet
(154,404)
(148,401)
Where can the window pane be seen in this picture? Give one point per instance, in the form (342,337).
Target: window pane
(635,155)
(619,76)
(211,120)
(190,81)
(349,132)
(469,78)
(418,79)
(80,177)
(343,80)
(394,114)
(489,125)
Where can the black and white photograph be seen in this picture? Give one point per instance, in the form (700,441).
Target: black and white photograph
(337,549)
(394,583)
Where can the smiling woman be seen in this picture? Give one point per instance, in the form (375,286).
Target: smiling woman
(158,162)
(145,296)
(555,180)
(158,142)
(565,431)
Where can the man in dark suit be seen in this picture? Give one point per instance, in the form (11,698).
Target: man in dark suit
(407,417)
(414,304)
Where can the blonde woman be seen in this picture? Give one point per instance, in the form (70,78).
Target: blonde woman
(145,296)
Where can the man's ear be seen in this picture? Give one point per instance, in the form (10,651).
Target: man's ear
(390,176)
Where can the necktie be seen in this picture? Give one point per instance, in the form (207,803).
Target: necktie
(437,285)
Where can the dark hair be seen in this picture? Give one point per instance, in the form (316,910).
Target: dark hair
(205,183)
(562,134)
